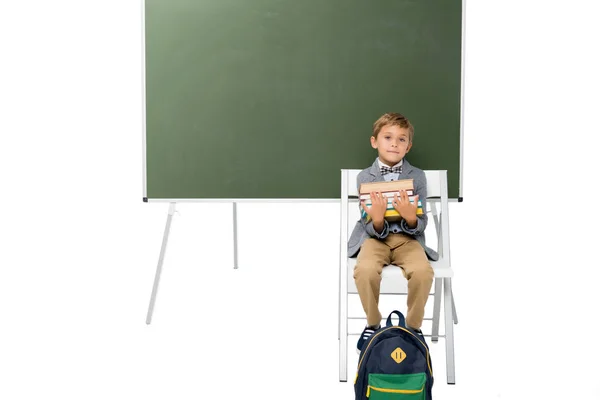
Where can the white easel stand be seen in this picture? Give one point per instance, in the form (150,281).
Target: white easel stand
(163,250)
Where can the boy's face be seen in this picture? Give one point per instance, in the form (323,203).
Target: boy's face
(392,144)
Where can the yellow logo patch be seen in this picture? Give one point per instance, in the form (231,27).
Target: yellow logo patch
(398,355)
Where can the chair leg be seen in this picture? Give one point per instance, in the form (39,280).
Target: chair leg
(437,299)
(343,339)
(454,315)
(448,325)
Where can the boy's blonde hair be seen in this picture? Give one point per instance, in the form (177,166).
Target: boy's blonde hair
(393,119)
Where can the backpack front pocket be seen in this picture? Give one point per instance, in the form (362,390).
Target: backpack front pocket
(396,386)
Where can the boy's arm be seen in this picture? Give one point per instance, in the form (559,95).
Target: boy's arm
(369,225)
(370,228)
(421,191)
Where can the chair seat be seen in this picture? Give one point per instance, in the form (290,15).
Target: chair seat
(393,280)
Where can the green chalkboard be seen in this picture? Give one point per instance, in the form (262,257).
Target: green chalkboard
(271,98)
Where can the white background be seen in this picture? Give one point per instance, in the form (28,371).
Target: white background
(78,247)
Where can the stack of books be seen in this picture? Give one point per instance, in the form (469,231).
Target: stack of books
(388,190)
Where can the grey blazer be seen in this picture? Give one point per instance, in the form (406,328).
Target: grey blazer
(363,230)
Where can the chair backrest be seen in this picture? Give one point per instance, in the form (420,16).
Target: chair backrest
(437,191)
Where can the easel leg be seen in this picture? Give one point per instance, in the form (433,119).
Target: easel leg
(160,263)
(235,237)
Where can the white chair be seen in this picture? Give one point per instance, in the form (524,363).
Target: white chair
(393,281)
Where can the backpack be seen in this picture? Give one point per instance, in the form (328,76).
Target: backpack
(394,364)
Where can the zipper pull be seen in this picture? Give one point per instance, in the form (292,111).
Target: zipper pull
(368,390)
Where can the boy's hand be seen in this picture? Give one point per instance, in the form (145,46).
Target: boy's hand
(404,207)
(378,207)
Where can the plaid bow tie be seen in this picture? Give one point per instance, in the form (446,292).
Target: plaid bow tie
(393,170)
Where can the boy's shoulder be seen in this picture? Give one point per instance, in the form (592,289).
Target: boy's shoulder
(417,171)
(418,175)
(368,174)
(365,172)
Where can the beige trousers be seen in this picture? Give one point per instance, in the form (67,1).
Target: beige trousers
(398,249)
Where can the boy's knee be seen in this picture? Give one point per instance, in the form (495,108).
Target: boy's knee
(424,274)
(367,269)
